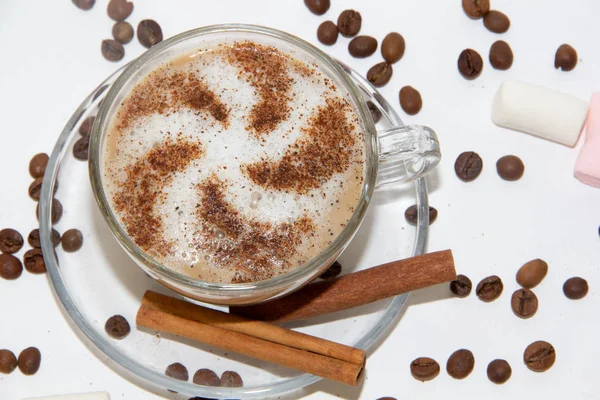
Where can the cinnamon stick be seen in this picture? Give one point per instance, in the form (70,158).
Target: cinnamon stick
(356,289)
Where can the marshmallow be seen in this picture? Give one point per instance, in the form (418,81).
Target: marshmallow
(81,396)
(587,167)
(539,111)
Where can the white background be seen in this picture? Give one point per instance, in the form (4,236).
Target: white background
(50,60)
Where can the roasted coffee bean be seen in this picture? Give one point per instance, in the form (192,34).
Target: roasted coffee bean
(231,379)
(34,261)
(119,10)
(72,240)
(34,238)
(11,241)
(489,289)
(470,64)
(318,7)
(8,361)
(424,369)
(460,364)
(392,47)
(476,9)
(122,32)
(501,55)
(362,46)
(386,398)
(177,371)
(565,58)
(349,23)
(524,303)
(37,165)
(117,327)
(101,90)
(496,21)
(206,377)
(510,168)
(10,267)
(412,215)
(576,288)
(468,166)
(36,188)
(532,273)
(327,33)
(56,211)
(539,356)
(410,100)
(499,371)
(149,33)
(29,361)
(86,126)
(81,148)
(380,74)
(84,4)
(461,286)
(333,271)
(375,111)
(112,50)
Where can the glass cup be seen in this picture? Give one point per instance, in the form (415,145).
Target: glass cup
(400,154)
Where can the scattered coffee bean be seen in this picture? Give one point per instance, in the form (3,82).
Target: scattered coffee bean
(37,165)
(149,33)
(206,377)
(470,64)
(532,273)
(34,261)
(34,238)
(375,111)
(84,4)
(461,286)
(565,58)
(86,126)
(231,379)
(412,215)
(476,9)
(501,55)
(117,327)
(524,303)
(122,32)
(489,289)
(101,90)
(10,267)
(362,46)
(349,23)
(29,361)
(318,7)
(72,240)
(499,371)
(460,364)
(56,211)
(11,241)
(496,21)
(112,50)
(424,369)
(333,271)
(119,10)
(8,361)
(35,188)
(468,166)
(410,100)
(510,168)
(393,47)
(81,148)
(539,356)
(327,33)
(380,74)
(576,288)
(177,371)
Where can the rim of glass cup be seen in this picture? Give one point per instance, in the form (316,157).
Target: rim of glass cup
(287,279)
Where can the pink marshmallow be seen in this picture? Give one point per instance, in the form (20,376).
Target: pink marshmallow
(587,167)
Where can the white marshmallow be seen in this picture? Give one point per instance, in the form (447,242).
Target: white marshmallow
(80,396)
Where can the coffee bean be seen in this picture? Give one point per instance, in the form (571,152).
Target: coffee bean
(496,21)
(35,188)
(532,273)
(501,55)
(468,166)
(412,215)
(37,165)
(524,303)
(34,238)
(349,23)
(149,33)
(386,398)
(86,126)
(72,240)
(375,111)
(11,241)
(81,148)
(333,271)
(56,211)
(499,371)
(112,50)
(392,47)
(34,261)
(318,7)
(84,4)
(8,361)
(206,377)
(476,9)
(489,289)
(362,46)
(117,327)
(99,92)
(470,64)
(177,371)
(122,32)
(565,58)
(380,74)
(510,168)
(539,356)
(29,361)
(327,33)
(231,379)
(424,369)
(410,100)
(576,288)
(460,364)
(119,10)
(461,286)
(10,267)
